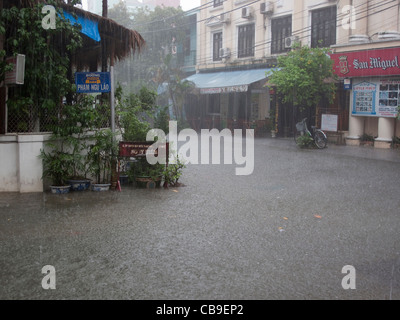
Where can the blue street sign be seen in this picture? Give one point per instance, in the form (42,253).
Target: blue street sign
(348,84)
(93,82)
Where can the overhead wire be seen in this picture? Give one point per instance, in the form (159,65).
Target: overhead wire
(261,45)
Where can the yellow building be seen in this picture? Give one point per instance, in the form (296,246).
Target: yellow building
(240,39)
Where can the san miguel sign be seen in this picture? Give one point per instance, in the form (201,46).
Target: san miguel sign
(381,62)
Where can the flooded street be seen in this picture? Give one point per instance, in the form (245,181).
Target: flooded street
(285,232)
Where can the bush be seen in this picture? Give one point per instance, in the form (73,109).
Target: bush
(367,137)
(305,141)
(173,172)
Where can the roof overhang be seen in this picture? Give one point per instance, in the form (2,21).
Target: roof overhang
(227,81)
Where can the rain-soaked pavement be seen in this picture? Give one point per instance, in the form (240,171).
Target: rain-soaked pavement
(284,232)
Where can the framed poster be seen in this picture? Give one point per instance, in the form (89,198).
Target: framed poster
(376,98)
(389,98)
(364,95)
(329,122)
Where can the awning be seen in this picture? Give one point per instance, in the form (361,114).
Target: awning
(90,28)
(225,82)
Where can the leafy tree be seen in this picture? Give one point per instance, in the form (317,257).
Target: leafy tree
(163,29)
(136,111)
(177,87)
(121,15)
(47,60)
(304,77)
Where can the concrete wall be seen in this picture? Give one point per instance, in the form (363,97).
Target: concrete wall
(21,170)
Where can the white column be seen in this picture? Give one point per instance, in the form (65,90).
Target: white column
(385,133)
(356,130)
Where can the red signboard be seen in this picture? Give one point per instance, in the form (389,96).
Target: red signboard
(367,63)
(138,149)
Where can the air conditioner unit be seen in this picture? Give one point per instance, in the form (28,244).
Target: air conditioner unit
(247,12)
(267,7)
(224,53)
(290,41)
(225,17)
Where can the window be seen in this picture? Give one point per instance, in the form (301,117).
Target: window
(217,45)
(280,29)
(187,43)
(246,41)
(323,27)
(218,3)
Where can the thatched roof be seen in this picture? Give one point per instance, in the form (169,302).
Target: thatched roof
(117,41)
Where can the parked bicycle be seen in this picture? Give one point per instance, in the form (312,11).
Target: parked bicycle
(317,135)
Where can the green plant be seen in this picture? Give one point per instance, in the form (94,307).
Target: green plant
(367,137)
(66,159)
(56,165)
(173,172)
(76,120)
(102,155)
(301,76)
(271,123)
(305,141)
(134,112)
(396,140)
(4,66)
(48,57)
(162,120)
(141,168)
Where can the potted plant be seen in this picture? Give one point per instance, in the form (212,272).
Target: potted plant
(173,172)
(396,143)
(135,113)
(101,159)
(76,121)
(146,175)
(56,167)
(367,140)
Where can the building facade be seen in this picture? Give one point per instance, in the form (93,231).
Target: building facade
(239,41)
(367,59)
(239,38)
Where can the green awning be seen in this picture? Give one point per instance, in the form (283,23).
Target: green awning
(227,81)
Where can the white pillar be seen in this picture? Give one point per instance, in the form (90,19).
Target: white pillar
(385,133)
(356,130)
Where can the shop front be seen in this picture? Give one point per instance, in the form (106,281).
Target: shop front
(373,78)
(229,99)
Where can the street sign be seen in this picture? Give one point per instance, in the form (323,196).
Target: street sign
(93,82)
(134,149)
(347,84)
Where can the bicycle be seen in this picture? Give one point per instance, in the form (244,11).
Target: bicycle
(318,136)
